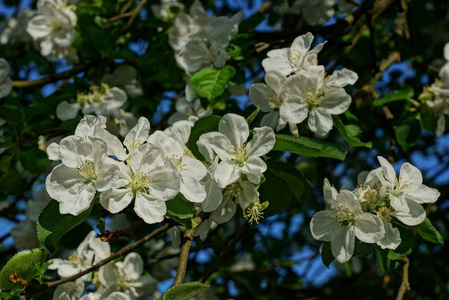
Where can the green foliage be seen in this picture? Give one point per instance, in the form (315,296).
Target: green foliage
(210,82)
(52,225)
(351,133)
(201,126)
(428,232)
(408,132)
(403,94)
(253,115)
(326,254)
(23,263)
(181,210)
(405,247)
(184,291)
(310,147)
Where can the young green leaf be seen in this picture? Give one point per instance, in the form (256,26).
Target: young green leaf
(210,82)
(310,147)
(184,291)
(351,133)
(23,264)
(399,95)
(428,232)
(52,225)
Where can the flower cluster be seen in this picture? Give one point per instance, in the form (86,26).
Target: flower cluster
(102,100)
(151,169)
(116,280)
(297,87)
(370,211)
(53,29)
(436,97)
(200,40)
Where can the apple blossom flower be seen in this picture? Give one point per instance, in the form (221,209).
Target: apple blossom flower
(343,222)
(69,291)
(149,179)
(124,77)
(5,81)
(90,251)
(126,277)
(165,9)
(292,60)
(316,96)
(314,11)
(53,29)
(238,155)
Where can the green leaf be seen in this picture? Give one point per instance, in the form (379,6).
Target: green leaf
(351,133)
(180,208)
(250,24)
(429,233)
(203,125)
(11,113)
(276,191)
(310,147)
(400,95)
(408,132)
(184,291)
(23,264)
(362,249)
(253,115)
(52,225)
(326,254)
(210,82)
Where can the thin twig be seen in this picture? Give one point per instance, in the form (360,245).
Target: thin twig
(134,15)
(122,252)
(51,78)
(185,249)
(405,285)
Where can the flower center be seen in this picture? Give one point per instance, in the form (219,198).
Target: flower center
(274,101)
(76,259)
(139,181)
(254,212)
(399,186)
(295,58)
(343,215)
(314,97)
(385,213)
(177,162)
(239,155)
(87,171)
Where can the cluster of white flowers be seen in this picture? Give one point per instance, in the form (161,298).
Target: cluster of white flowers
(152,169)
(13,30)
(164,10)
(200,40)
(297,87)
(436,97)
(53,29)
(106,101)
(369,211)
(116,280)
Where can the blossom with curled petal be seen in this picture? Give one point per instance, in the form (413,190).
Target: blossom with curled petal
(343,222)
(295,59)
(149,179)
(75,181)
(405,193)
(238,155)
(90,251)
(126,277)
(312,94)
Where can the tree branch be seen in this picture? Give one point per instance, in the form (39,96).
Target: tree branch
(134,15)
(52,77)
(123,251)
(185,249)
(405,285)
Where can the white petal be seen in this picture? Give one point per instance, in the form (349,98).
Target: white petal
(235,128)
(192,189)
(54,151)
(392,238)
(115,200)
(422,194)
(151,211)
(323,225)
(320,122)
(133,266)
(410,175)
(369,228)
(416,215)
(275,80)
(399,204)
(260,94)
(342,243)
(214,196)
(67,111)
(262,142)
(253,168)
(224,212)
(225,174)
(165,184)
(387,168)
(216,141)
(139,134)
(336,101)
(342,78)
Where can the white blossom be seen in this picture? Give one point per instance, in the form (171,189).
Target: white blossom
(126,277)
(315,12)
(124,77)
(238,155)
(69,291)
(5,81)
(165,9)
(295,59)
(90,251)
(53,29)
(316,96)
(343,222)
